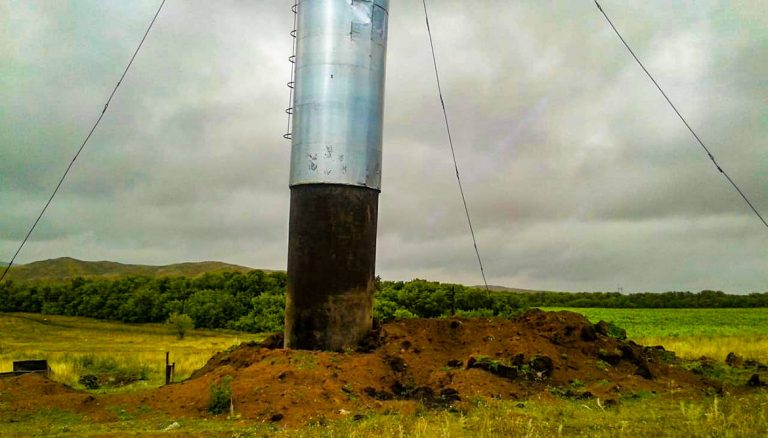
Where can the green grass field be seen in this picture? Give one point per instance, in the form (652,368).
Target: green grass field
(65,341)
(673,323)
(692,333)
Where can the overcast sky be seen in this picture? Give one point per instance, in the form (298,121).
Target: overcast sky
(577,173)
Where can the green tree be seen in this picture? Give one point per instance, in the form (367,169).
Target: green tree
(267,314)
(180,324)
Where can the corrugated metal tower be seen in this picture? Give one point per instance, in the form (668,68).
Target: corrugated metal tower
(335,171)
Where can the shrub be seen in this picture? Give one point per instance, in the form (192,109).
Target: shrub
(221,396)
(404,314)
(268,315)
(477,313)
(180,324)
(384,310)
(107,371)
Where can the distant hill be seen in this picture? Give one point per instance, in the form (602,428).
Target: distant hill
(66,268)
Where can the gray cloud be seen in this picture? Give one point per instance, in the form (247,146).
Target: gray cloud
(578,175)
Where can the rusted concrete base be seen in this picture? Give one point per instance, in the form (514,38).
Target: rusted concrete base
(331,262)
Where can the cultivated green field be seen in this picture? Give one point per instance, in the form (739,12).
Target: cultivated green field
(66,340)
(692,333)
(672,323)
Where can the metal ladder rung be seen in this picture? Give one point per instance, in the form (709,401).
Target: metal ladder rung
(292,59)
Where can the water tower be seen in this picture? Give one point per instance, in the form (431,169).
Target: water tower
(335,176)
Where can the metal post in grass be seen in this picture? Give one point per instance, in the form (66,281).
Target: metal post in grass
(169,368)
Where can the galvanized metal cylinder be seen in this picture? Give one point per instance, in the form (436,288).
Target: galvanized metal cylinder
(339,101)
(335,172)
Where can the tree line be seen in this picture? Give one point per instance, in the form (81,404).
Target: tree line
(254,301)
(251,301)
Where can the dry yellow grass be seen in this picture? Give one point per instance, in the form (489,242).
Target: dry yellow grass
(63,340)
(716,347)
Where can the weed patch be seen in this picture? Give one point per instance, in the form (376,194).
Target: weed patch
(96,371)
(221,396)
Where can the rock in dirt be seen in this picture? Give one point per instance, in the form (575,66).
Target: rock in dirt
(752,363)
(564,336)
(378,394)
(706,365)
(734,360)
(455,363)
(273,341)
(542,365)
(449,394)
(284,375)
(644,372)
(399,390)
(754,381)
(632,352)
(277,417)
(660,353)
(396,364)
(607,329)
(493,367)
(173,426)
(588,334)
(89,381)
(347,390)
(504,371)
(422,393)
(371,342)
(611,357)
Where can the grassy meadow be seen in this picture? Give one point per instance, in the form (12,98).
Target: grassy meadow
(75,346)
(73,343)
(692,333)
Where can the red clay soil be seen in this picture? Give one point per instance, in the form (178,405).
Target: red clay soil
(440,363)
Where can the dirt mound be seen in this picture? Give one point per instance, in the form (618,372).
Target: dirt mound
(34,385)
(437,362)
(35,391)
